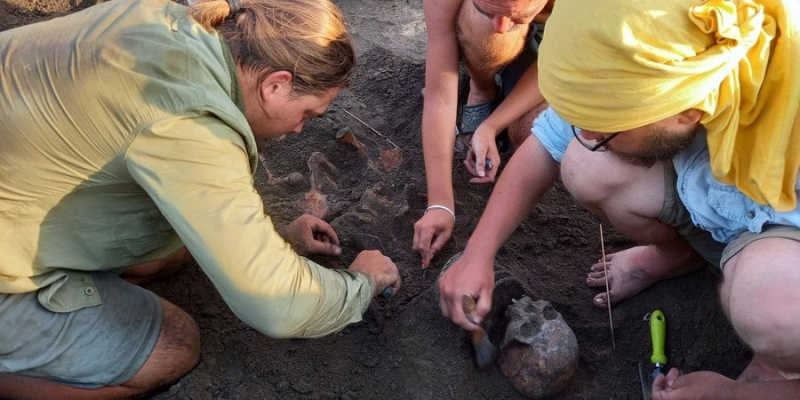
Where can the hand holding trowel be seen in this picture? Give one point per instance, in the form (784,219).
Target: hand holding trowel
(658,333)
(485,352)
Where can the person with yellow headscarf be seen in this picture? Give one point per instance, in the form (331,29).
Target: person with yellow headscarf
(678,121)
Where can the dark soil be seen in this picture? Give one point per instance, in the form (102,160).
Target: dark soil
(404,349)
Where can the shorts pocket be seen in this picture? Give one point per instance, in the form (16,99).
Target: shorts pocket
(72,292)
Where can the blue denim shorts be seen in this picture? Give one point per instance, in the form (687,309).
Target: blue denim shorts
(102,345)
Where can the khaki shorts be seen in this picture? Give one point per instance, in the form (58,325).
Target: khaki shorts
(675,214)
(775,231)
(103,345)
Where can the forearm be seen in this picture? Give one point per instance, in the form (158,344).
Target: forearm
(441,99)
(437,149)
(524,97)
(438,132)
(315,303)
(528,176)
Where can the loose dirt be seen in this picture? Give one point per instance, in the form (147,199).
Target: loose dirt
(404,349)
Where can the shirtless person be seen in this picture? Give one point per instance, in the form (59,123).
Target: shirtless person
(698,111)
(491,36)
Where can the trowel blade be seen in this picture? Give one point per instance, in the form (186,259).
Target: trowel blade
(647,383)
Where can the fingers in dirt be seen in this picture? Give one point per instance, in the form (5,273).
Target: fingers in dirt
(424,248)
(327,233)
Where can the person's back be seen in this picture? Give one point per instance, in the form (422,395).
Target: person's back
(87,91)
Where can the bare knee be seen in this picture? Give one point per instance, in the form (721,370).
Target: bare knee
(176,352)
(761,302)
(768,329)
(520,129)
(765,323)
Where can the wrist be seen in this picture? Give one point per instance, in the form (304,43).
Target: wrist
(371,282)
(488,129)
(443,208)
(484,254)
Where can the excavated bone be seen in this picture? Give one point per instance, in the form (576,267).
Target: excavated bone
(539,353)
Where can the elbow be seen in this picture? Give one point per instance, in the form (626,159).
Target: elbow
(269,321)
(283,330)
(279,331)
(283,321)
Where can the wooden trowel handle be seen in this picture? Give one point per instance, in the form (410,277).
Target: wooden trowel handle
(468,305)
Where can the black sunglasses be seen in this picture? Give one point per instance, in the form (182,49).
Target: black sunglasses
(597,146)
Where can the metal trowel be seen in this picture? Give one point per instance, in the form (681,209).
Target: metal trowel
(658,333)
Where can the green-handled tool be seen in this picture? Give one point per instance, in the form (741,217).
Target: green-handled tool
(658,335)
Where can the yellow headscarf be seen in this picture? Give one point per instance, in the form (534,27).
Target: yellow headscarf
(614,65)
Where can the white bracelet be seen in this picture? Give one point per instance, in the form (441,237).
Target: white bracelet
(441,207)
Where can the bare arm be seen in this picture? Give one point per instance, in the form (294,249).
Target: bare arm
(438,124)
(530,173)
(524,97)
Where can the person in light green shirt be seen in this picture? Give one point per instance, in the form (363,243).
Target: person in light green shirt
(129,140)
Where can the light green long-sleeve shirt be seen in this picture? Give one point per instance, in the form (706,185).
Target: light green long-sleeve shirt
(122,138)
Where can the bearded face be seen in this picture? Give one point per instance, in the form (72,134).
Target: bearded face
(660,145)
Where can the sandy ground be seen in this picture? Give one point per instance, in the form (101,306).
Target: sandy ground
(404,349)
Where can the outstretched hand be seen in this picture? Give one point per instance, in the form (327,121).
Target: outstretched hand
(431,233)
(310,235)
(471,276)
(483,158)
(697,385)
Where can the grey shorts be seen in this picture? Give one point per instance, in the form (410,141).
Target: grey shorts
(103,345)
(675,214)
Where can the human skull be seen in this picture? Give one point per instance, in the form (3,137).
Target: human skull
(539,353)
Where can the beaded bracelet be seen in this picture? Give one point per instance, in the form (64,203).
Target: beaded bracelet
(441,207)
